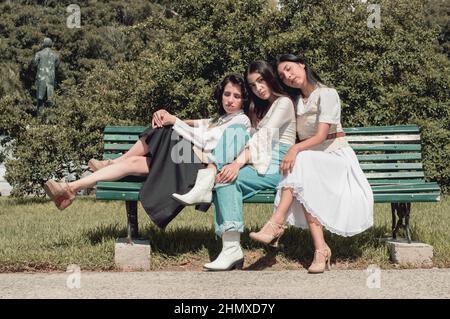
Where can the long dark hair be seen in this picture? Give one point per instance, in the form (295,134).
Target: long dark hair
(236,79)
(311,75)
(259,107)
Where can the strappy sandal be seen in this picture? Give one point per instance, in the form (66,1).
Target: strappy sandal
(318,267)
(269,234)
(60,193)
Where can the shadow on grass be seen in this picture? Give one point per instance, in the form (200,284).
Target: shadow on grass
(170,242)
(266,261)
(296,244)
(182,240)
(103,233)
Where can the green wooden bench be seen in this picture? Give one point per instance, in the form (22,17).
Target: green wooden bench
(390,156)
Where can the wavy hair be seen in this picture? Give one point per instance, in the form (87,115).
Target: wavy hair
(258,107)
(235,79)
(311,75)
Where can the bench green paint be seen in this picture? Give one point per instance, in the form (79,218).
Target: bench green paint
(390,156)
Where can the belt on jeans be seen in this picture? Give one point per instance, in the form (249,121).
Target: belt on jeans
(330,136)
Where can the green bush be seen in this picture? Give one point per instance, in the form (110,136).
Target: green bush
(391,75)
(436,152)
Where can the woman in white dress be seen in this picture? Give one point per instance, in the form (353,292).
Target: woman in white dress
(322,184)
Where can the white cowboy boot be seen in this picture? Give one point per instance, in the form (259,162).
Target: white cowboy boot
(231,255)
(202,190)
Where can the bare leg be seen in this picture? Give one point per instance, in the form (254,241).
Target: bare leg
(287,197)
(274,228)
(316,229)
(315,226)
(139,148)
(134,165)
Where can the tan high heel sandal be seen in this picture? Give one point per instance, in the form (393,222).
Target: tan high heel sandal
(95,165)
(318,267)
(269,234)
(60,193)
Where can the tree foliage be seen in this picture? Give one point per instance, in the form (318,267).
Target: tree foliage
(171,57)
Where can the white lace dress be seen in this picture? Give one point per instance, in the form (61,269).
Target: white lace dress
(327,181)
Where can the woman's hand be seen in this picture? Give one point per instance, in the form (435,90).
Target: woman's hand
(157,118)
(289,160)
(169,119)
(228,173)
(161,118)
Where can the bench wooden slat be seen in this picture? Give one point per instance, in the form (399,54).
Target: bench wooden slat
(378,198)
(372,182)
(120,138)
(407,198)
(389,157)
(125,186)
(125,129)
(375,184)
(266,198)
(117,147)
(394,175)
(358,138)
(412,188)
(383,138)
(117,195)
(356,147)
(111,155)
(365,167)
(419,187)
(382,129)
(348,130)
(391,166)
(395,181)
(385,147)
(429,192)
(423,190)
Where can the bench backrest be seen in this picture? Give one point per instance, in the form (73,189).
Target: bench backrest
(390,156)
(387,154)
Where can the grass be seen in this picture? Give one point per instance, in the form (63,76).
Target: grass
(35,236)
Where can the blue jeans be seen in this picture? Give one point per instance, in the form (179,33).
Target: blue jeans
(228,199)
(229,146)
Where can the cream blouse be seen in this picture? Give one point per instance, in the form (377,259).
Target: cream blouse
(323,106)
(205,134)
(277,126)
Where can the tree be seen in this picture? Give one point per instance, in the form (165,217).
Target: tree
(387,75)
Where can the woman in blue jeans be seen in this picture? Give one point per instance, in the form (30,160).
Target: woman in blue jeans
(257,166)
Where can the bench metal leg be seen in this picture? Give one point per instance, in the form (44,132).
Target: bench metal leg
(403,211)
(132,217)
